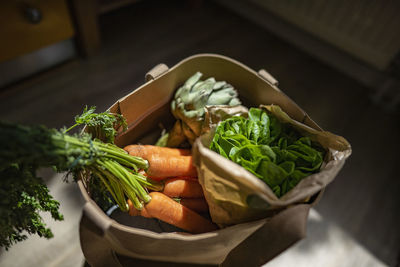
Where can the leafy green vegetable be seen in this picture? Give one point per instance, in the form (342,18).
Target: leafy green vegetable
(188,107)
(272,151)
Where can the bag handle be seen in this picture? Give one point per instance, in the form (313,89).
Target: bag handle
(268,77)
(97,216)
(95,246)
(156,72)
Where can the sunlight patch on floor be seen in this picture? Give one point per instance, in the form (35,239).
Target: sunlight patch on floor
(63,250)
(326,245)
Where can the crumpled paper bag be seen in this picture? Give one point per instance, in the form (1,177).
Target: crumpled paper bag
(235,195)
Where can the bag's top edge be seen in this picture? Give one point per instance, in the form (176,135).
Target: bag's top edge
(211,55)
(186,236)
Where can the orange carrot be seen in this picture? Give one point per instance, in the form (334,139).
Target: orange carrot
(158,179)
(134,212)
(175,187)
(144,151)
(195,204)
(168,210)
(164,161)
(170,166)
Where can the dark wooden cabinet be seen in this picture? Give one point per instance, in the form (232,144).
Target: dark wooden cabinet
(26,26)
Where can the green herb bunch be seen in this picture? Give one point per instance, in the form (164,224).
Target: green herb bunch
(24,149)
(272,151)
(102,126)
(22,196)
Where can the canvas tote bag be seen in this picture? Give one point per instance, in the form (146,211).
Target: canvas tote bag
(127,241)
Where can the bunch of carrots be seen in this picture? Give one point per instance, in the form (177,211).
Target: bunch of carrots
(181,200)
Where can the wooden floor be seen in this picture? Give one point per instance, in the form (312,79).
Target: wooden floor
(363,201)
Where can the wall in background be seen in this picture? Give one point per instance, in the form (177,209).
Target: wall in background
(359,38)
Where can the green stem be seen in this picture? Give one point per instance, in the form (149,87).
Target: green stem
(70,128)
(135,201)
(149,183)
(112,187)
(111,157)
(115,151)
(142,194)
(141,163)
(119,191)
(123,162)
(131,190)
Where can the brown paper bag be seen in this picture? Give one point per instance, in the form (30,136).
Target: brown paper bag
(228,187)
(114,241)
(104,241)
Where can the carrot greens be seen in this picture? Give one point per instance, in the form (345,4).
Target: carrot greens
(25,149)
(103,125)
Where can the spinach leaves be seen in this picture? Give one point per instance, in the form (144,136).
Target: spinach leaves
(272,151)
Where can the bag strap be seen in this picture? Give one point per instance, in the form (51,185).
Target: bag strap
(96,248)
(96,215)
(156,72)
(268,77)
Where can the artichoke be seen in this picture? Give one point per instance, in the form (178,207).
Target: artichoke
(188,106)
